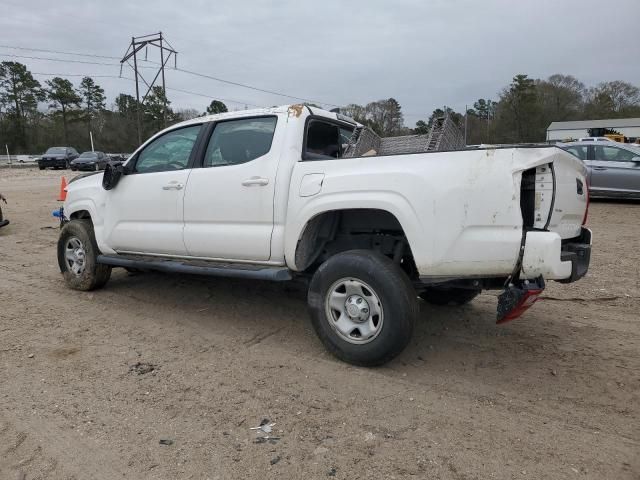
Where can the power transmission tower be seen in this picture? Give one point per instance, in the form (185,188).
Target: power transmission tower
(137,44)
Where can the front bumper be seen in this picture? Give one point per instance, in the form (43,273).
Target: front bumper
(52,162)
(548,255)
(86,167)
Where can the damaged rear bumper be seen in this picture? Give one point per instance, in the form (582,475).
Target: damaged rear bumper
(578,252)
(547,255)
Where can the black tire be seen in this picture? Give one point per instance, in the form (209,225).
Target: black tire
(41,167)
(94,275)
(449,296)
(398,302)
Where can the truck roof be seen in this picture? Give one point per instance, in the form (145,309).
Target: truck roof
(295,109)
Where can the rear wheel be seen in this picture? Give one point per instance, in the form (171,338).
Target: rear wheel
(77,257)
(41,167)
(363,307)
(449,296)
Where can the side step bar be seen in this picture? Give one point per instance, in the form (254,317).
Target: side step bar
(198,267)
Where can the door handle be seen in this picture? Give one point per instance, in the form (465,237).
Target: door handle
(173,186)
(599,168)
(255,181)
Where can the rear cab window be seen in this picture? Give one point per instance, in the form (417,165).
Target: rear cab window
(326,140)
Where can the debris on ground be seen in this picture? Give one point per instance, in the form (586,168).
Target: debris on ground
(264,427)
(166,441)
(332,472)
(275,460)
(141,368)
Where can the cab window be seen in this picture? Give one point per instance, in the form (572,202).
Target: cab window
(169,152)
(239,141)
(326,140)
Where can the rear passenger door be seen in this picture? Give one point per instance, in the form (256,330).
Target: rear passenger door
(228,203)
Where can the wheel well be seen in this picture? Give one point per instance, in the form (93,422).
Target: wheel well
(336,231)
(80,214)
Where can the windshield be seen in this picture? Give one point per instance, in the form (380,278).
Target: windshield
(89,155)
(57,150)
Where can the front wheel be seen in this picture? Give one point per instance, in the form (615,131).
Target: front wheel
(41,167)
(449,296)
(363,307)
(77,257)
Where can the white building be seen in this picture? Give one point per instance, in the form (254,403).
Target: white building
(629,127)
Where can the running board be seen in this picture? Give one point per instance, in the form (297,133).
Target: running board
(198,267)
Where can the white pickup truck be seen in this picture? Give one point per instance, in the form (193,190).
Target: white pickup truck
(274,195)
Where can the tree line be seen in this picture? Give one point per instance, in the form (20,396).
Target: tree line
(74,111)
(520,113)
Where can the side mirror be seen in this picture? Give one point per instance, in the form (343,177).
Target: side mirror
(113,171)
(635,159)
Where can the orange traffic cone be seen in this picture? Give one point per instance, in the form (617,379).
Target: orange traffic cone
(63,190)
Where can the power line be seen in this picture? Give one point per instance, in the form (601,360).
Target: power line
(215,98)
(204,95)
(65,60)
(99,75)
(59,51)
(190,72)
(271,92)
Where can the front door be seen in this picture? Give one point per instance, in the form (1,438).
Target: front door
(613,170)
(144,212)
(228,204)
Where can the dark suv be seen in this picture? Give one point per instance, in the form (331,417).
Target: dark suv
(57,157)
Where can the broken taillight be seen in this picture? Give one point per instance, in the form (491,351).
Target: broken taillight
(515,300)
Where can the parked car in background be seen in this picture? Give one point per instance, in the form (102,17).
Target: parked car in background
(614,168)
(595,139)
(57,157)
(90,161)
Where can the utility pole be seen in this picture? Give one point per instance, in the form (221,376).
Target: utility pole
(138,43)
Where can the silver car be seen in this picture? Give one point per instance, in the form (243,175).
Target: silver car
(614,168)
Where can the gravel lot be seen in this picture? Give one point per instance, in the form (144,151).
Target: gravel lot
(91,382)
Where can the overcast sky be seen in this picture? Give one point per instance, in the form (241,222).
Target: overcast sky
(424,53)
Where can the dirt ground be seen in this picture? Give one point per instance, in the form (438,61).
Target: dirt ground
(91,382)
